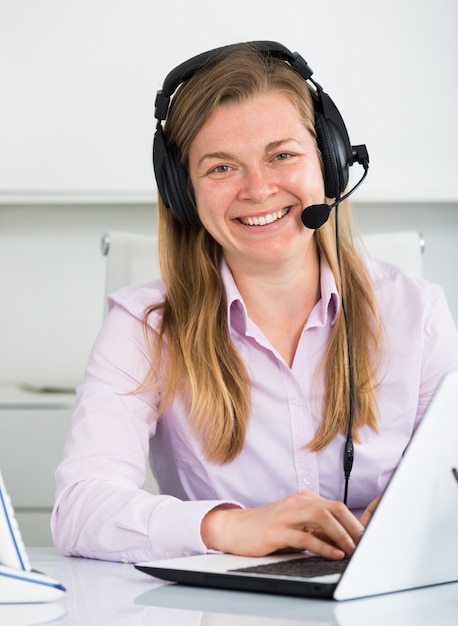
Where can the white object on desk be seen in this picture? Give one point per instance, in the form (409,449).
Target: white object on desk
(22,586)
(18,582)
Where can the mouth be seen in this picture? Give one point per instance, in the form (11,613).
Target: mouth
(263,220)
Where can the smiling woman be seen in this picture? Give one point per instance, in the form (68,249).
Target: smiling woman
(266,351)
(251,164)
(238,114)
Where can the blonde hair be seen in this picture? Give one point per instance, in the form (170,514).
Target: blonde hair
(194,353)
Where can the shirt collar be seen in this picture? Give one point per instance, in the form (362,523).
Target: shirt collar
(325,311)
(237,314)
(327,308)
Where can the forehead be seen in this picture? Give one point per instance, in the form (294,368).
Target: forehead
(261,116)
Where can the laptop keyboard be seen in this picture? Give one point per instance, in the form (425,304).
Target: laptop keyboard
(307,567)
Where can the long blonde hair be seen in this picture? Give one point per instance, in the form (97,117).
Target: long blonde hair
(194,354)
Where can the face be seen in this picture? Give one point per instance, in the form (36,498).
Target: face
(254,167)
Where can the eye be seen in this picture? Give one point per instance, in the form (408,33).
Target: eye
(282,156)
(220,169)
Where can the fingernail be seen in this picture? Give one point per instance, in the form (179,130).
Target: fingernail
(337,554)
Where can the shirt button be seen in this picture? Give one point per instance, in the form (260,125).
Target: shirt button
(307,480)
(186,553)
(168,554)
(298,402)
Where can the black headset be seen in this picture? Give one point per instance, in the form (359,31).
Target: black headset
(337,153)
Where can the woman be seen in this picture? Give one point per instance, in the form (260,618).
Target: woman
(267,350)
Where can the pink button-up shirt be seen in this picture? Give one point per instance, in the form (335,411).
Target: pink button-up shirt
(101,510)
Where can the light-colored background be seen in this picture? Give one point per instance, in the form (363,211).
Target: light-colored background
(80,78)
(78,82)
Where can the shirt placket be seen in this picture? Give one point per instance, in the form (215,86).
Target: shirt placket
(302,430)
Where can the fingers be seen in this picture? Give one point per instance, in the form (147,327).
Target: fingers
(300,522)
(312,541)
(335,530)
(369,512)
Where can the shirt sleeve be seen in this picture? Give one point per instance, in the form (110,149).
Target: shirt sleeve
(100,509)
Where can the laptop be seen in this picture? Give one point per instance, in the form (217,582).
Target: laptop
(410,542)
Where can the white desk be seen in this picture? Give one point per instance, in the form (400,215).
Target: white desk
(111,594)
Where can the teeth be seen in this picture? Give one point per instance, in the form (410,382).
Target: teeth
(264,219)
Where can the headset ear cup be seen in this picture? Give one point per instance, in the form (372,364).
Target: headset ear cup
(181,203)
(326,147)
(172,182)
(175,181)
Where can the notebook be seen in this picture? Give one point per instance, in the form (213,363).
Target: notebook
(19,583)
(410,542)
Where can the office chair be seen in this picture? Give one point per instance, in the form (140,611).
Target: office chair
(132,259)
(403,248)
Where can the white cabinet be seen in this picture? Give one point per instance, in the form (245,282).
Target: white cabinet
(33,428)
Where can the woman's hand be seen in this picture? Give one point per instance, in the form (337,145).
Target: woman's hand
(369,512)
(303,521)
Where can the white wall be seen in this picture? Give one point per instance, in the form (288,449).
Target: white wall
(52,276)
(79,79)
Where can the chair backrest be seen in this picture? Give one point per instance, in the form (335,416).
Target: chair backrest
(403,248)
(131,259)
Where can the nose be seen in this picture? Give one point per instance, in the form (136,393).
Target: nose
(258,185)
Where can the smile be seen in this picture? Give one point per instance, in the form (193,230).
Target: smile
(264,219)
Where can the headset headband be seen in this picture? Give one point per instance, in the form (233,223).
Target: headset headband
(188,68)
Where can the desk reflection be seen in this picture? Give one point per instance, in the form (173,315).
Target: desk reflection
(101,593)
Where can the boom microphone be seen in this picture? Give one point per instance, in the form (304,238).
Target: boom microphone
(316,215)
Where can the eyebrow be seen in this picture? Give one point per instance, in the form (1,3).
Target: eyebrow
(273,145)
(216,155)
